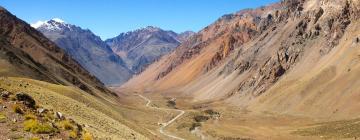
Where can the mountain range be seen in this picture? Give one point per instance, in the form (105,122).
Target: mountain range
(116,60)
(142,47)
(287,70)
(37,74)
(283,58)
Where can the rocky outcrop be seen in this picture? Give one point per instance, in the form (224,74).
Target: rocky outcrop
(311,25)
(242,55)
(233,29)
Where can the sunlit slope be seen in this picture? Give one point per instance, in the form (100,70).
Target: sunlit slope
(302,59)
(95,114)
(327,88)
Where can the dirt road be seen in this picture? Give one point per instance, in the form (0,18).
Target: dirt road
(164,125)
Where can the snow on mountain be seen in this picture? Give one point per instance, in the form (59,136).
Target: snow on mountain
(53,24)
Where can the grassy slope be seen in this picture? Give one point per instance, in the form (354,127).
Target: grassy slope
(97,115)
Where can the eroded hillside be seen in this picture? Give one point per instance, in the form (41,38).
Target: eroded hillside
(282,57)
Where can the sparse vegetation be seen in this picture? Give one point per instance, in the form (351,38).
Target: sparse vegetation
(2,118)
(34,126)
(201,118)
(73,134)
(26,99)
(87,136)
(30,117)
(65,124)
(57,97)
(211,112)
(171,103)
(35,138)
(336,129)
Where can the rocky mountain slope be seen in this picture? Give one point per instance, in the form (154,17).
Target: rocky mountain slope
(284,57)
(26,52)
(87,49)
(204,50)
(32,64)
(142,47)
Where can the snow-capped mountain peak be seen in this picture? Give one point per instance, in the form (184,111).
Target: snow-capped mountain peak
(53,24)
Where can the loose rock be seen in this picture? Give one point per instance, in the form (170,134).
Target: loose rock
(42,110)
(5,94)
(59,115)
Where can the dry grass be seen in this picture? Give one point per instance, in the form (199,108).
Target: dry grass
(335,130)
(73,134)
(65,124)
(34,126)
(85,109)
(87,136)
(2,118)
(30,116)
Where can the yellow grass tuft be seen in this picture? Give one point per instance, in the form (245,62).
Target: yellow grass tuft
(2,118)
(73,134)
(35,127)
(35,138)
(65,124)
(87,136)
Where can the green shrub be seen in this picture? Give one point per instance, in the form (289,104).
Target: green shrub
(35,127)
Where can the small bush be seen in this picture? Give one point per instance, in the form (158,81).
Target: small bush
(211,112)
(65,124)
(27,99)
(87,136)
(17,109)
(171,103)
(73,134)
(201,118)
(35,127)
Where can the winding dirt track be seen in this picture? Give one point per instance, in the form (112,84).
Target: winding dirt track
(162,128)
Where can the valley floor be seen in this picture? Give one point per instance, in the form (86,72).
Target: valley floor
(214,121)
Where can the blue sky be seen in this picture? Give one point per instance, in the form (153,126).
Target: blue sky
(108,18)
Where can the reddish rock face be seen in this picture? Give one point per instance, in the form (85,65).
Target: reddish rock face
(255,47)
